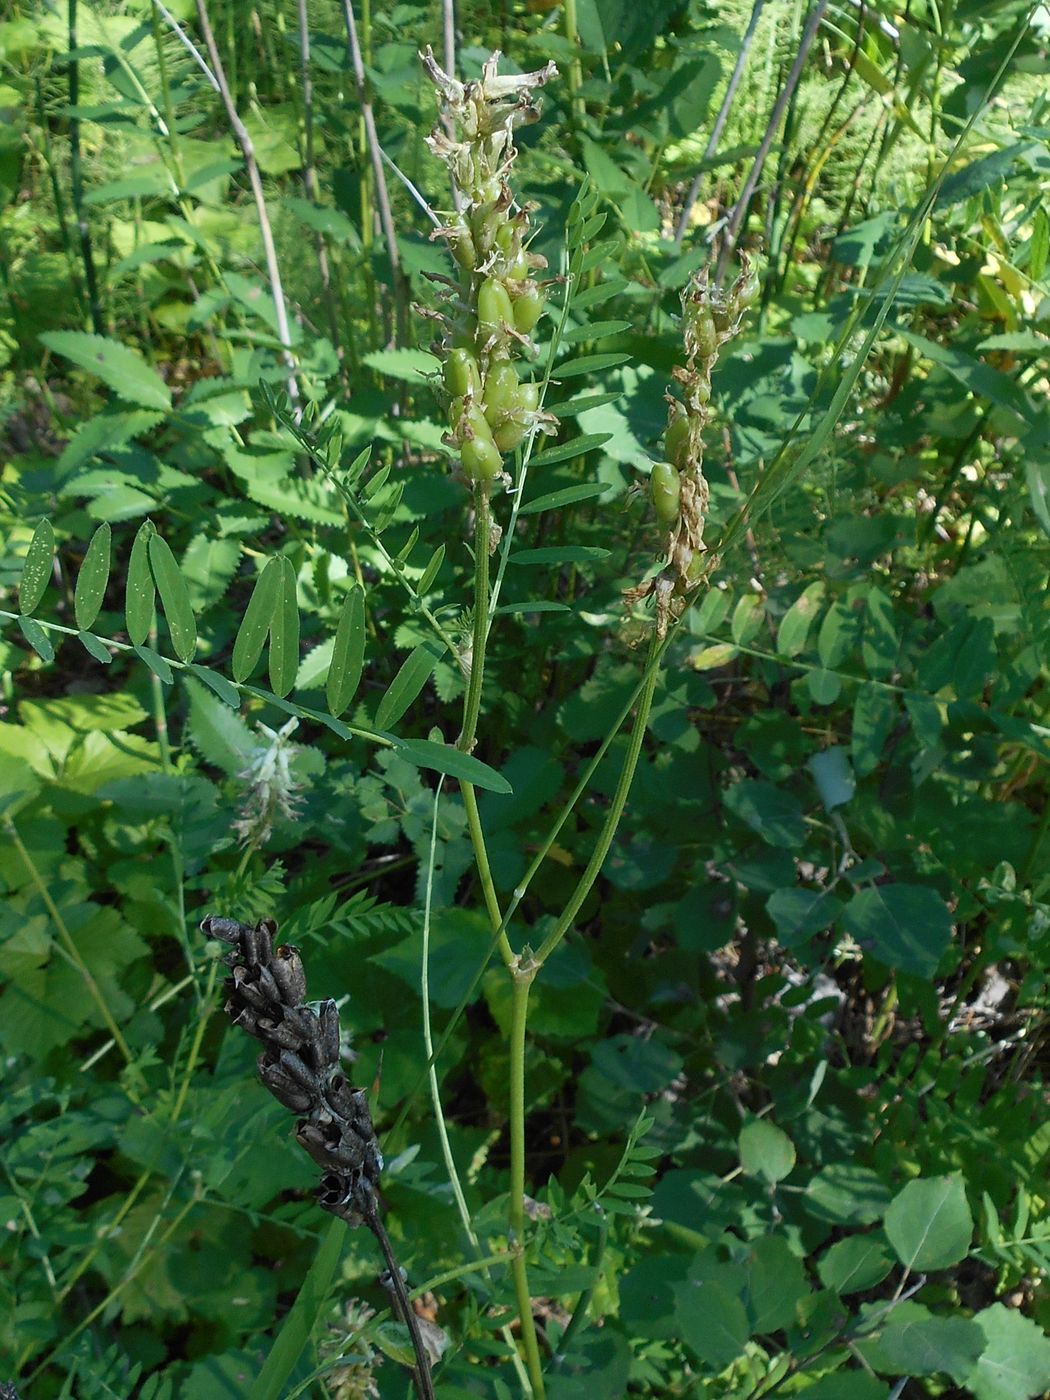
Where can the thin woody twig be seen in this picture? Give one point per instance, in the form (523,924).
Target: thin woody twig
(740,208)
(386,217)
(720,121)
(240,132)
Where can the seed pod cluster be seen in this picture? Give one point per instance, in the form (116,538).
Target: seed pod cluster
(678,488)
(300,1063)
(492,308)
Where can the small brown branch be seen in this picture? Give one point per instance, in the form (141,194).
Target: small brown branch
(386,217)
(240,132)
(740,208)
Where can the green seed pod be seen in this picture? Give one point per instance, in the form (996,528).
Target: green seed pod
(509,434)
(676,441)
(461,373)
(495,312)
(746,289)
(665,489)
(455,411)
(481,457)
(528,397)
(461,246)
(501,390)
(705,334)
(528,307)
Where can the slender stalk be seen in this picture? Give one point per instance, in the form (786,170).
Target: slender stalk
(576,105)
(244,141)
(310,173)
(720,121)
(424,1382)
(612,818)
(523,975)
(386,217)
(69,944)
(86,253)
(740,208)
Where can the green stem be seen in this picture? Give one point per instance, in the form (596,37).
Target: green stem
(613,816)
(69,944)
(575,70)
(523,975)
(75,175)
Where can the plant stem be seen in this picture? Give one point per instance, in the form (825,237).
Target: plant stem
(310,174)
(523,974)
(613,816)
(576,106)
(424,1382)
(240,131)
(69,944)
(75,177)
(386,217)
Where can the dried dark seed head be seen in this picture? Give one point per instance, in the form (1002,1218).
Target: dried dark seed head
(227,930)
(287,970)
(258,943)
(329,1017)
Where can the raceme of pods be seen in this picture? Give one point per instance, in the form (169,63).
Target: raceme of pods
(490,312)
(678,488)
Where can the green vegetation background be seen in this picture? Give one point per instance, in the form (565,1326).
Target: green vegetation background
(817,956)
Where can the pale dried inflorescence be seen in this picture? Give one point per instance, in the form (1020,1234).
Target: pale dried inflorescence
(271,788)
(487,314)
(678,487)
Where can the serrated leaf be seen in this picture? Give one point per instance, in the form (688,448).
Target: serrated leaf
(93,578)
(305,500)
(344,674)
(36,568)
(174,598)
(37,638)
(256,622)
(443,758)
(409,681)
(139,592)
(284,631)
(217,732)
(118,366)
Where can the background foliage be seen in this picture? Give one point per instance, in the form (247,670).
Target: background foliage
(785,1080)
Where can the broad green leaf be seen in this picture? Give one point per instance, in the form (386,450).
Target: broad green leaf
(929,1224)
(776,1284)
(847,1194)
(766,1150)
(300,1323)
(284,631)
(874,713)
(140,591)
(913,1342)
(904,926)
(406,685)
(256,622)
(92,578)
(36,568)
(712,1322)
(344,674)
(846,1385)
(833,777)
(443,758)
(770,811)
(118,366)
(37,638)
(413,366)
(174,598)
(855,1264)
(1039,246)
(799,914)
(1015,1364)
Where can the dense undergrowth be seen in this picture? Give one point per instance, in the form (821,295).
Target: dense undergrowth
(780,1123)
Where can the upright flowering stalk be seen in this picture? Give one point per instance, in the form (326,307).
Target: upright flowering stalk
(677,486)
(494,306)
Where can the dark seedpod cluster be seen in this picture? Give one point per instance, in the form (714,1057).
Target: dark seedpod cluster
(491,310)
(300,1062)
